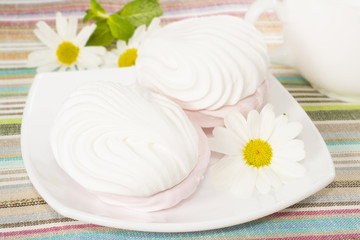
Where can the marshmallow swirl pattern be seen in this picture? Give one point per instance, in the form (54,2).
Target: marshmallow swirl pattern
(123,140)
(204,63)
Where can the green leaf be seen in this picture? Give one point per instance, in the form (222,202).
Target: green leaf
(96,12)
(101,36)
(140,12)
(120,27)
(94,5)
(90,15)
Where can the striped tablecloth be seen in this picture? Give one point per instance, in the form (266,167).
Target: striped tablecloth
(332,213)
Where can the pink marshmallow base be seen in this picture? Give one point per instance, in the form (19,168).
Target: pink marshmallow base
(172,196)
(214,118)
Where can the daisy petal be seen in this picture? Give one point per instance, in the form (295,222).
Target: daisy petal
(236,122)
(253,121)
(290,156)
(154,25)
(46,36)
(225,141)
(110,59)
(294,129)
(224,171)
(272,178)
(61,26)
(48,67)
(262,182)
(121,46)
(49,42)
(137,36)
(41,57)
(95,50)
(267,108)
(292,151)
(287,170)
(84,35)
(285,133)
(71,28)
(281,120)
(88,59)
(244,183)
(267,121)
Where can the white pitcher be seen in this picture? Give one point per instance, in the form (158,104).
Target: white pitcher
(321,40)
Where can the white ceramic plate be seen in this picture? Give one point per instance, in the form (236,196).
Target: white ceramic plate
(206,209)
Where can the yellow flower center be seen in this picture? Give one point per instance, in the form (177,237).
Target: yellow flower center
(128,58)
(67,53)
(257,153)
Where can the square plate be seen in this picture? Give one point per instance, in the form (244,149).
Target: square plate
(208,208)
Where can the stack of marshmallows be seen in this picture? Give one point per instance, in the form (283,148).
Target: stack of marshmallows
(142,146)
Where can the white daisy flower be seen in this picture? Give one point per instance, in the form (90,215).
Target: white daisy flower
(125,54)
(66,50)
(261,152)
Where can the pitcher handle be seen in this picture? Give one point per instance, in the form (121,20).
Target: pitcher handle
(281,54)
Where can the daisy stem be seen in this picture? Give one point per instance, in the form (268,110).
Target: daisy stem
(102,15)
